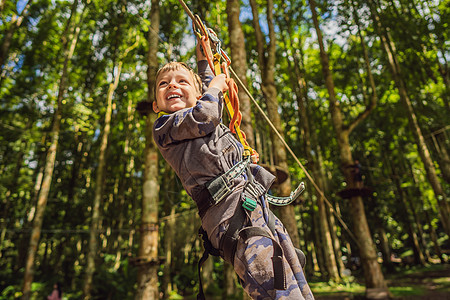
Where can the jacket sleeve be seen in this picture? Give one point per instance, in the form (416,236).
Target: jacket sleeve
(192,122)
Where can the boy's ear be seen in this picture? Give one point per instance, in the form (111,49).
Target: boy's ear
(155,107)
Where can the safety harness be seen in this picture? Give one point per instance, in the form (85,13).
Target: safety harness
(239,226)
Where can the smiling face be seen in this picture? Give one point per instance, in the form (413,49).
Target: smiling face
(176,88)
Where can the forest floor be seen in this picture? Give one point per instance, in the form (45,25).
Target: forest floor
(424,284)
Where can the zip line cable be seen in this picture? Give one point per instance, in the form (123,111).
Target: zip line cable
(321,194)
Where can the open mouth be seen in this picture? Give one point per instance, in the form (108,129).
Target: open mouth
(173,96)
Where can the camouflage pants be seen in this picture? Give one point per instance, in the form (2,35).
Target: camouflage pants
(253,263)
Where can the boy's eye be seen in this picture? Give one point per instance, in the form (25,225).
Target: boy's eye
(162,83)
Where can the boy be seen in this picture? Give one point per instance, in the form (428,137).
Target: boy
(228,190)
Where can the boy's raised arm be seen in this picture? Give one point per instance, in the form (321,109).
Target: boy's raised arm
(203,69)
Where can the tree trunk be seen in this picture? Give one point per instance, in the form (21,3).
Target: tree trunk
(239,63)
(300,86)
(385,249)
(416,191)
(148,246)
(444,210)
(420,233)
(418,255)
(124,182)
(69,47)
(99,179)
(267,67)
(434,237)
(372,271)
(440,141)
(168,244)
(100,176)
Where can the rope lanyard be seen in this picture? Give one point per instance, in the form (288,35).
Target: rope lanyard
(206,35)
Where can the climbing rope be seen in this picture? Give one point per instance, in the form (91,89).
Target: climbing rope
(219,63)
(206,35)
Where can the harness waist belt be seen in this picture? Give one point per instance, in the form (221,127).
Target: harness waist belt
(220,187)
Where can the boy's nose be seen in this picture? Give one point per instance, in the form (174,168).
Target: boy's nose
(173,84)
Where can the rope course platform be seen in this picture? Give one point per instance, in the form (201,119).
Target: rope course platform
(365,192)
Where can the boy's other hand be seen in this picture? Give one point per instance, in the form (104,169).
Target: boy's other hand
(219,82)
(200,52)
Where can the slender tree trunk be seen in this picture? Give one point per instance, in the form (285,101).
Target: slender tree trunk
(372,271)
(168,244)
(418,255)
(434,237)
(124,182)
(267,66)
(444,210)
(300,87)
(100,176)
(239,63)
(69,47)
(440,141)
(148,246)
(425,203)
(420,233)
(385,249)
(75,168)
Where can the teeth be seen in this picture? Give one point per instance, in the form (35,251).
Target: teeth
(173,96)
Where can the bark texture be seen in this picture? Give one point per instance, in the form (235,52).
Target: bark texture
(148,245)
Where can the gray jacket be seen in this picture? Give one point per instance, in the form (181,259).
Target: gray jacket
(199,148)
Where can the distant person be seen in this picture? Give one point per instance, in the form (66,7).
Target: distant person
(56,293)
(358,177)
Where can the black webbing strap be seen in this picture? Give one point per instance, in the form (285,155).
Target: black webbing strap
(271,224)
(228,242)
(209,249)
(279,280)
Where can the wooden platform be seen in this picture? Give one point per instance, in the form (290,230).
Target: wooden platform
(364,192)
(144,108)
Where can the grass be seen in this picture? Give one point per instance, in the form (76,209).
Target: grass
(335,289)
(414,281)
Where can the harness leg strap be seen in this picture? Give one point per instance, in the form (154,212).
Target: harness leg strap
(279,282)
(271,224)
(228,242)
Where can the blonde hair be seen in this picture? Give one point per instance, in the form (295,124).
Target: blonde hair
(175,66)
